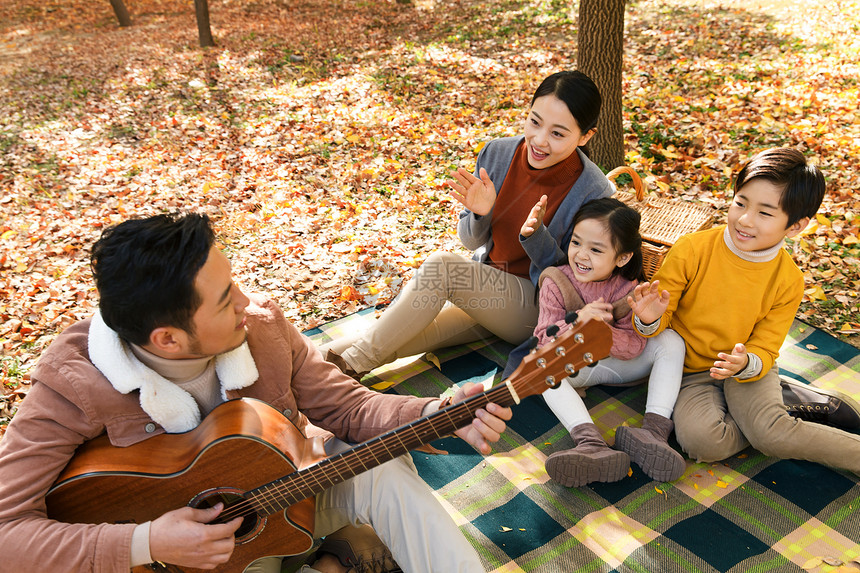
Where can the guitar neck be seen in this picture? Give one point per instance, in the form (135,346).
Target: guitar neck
(544,368)
(278,495)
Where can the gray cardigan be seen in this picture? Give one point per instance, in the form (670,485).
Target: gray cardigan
(548,245)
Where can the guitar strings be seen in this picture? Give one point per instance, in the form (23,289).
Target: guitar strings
(304,483)
(273,493)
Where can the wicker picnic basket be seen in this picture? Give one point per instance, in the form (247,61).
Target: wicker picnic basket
(663,220)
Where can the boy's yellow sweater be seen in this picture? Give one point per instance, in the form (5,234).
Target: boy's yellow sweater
(719,299)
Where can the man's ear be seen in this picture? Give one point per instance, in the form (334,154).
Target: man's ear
(796,228)
(167,341)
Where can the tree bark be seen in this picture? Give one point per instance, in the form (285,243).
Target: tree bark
(600,51)
(121,13)
(204,31)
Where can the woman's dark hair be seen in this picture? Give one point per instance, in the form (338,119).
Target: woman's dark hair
(802,184)
(578,92)
(623,224)
(145,270)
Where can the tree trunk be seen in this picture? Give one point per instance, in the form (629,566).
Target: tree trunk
(121,13)
(201,9)
(600,50)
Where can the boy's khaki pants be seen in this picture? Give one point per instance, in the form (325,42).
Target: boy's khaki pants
(716,419)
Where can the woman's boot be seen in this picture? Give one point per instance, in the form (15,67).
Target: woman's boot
(649,448)
(591,460)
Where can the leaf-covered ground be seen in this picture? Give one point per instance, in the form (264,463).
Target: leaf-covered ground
(319,133)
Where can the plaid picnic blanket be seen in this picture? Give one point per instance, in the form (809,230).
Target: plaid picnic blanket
(750,513)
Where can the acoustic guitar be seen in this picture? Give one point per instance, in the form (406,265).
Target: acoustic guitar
(249,456)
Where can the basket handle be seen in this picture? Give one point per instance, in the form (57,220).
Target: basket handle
(638,186)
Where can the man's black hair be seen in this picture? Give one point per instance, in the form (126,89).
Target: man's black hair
(145,270)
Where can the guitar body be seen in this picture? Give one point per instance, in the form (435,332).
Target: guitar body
(240,445)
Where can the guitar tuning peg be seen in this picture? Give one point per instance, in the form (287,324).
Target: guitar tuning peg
(593,364)
(571,317)
(532,343)
(552,330)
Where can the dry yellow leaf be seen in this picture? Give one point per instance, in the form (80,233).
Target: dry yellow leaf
(722,484)
(815,293)
(433,359)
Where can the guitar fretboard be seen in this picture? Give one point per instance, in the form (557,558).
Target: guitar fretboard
(278,495)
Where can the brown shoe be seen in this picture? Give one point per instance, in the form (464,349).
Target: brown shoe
(814,404)
(360,549)
(592,460)
(649,448)
(337,360)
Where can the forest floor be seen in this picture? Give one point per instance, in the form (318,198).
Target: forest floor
(318,134)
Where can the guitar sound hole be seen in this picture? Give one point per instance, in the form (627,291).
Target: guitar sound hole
(235,505)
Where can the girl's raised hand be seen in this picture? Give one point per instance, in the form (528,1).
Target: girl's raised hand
(597,310)
(535,218)
(648,302)
(476,195)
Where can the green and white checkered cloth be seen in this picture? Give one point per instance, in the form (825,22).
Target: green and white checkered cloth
(750,513)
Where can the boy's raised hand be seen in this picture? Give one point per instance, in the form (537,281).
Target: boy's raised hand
(476,195)
(535,218)
(730,364)
(648,302)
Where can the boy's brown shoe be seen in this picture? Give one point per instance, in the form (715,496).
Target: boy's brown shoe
(813,404)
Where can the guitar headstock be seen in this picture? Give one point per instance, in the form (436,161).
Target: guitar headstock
(580,346)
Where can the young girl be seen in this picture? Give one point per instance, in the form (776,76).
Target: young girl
(604,265)
(519,205)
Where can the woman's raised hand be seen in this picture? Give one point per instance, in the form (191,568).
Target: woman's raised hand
(477,195)
(535,218)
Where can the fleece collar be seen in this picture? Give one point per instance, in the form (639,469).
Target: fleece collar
(166,403)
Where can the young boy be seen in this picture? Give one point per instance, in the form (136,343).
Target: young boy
(732,292)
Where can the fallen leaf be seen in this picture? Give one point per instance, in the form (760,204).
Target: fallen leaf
(433,359)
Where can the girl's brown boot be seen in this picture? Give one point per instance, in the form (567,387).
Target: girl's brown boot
(591,460)
(649,447)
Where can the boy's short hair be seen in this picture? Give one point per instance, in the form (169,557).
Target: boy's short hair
(145,272)
(802,183)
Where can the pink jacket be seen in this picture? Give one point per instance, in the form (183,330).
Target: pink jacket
(71,401)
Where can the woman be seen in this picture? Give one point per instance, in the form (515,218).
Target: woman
(517,220)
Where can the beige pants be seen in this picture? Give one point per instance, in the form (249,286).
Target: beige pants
(451,300)
(715,419)
(404,513)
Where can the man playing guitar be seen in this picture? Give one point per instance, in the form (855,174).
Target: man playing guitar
(174,339)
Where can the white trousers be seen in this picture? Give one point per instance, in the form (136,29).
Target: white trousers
(663,357)
(401,508)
